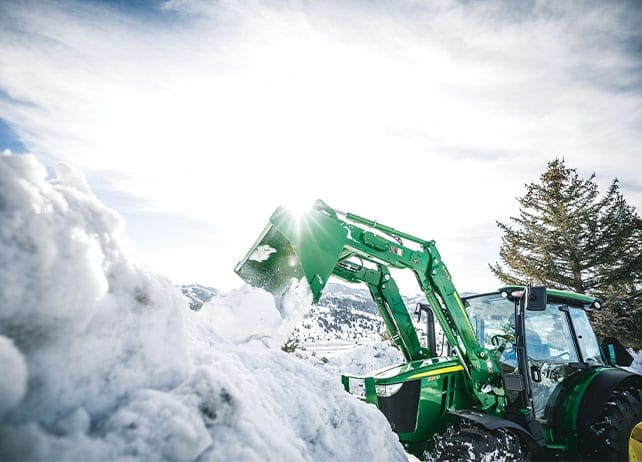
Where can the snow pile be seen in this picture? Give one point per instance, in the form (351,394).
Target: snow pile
(286,409)
(102,360)
(363,359)
(249,315)
(636,365)
(79,310)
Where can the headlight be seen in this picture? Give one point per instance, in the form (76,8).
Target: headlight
(388,390)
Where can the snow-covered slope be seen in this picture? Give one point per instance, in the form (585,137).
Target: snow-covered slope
(101,358)
(343,296)
(196,295)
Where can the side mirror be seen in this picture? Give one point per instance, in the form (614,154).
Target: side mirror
(615,352)
(596,305)
(535,298)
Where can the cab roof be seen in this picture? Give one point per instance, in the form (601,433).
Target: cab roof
(571,298)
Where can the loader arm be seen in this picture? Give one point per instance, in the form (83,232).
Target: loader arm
(392,309)
(325,242)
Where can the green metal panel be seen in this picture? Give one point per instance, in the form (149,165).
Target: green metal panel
(271,262)
(442,388)
(292,247)
(567,433)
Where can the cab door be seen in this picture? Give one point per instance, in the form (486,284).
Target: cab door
(551,352)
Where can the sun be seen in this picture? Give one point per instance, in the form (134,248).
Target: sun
(299,206)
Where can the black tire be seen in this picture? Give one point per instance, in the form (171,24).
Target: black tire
(608,437)
(474,443)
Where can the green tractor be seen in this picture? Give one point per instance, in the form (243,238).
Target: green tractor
(520,371)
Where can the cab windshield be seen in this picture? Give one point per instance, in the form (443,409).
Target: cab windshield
(549,335)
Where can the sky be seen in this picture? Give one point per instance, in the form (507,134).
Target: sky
(194,120)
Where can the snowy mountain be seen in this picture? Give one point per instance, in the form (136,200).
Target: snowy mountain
(344,296)
(339,322)
(195,295)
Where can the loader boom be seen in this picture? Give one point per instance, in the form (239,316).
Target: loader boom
(530,371)
(326,242)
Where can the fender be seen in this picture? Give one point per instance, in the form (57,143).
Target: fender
(599,391)
(491,422)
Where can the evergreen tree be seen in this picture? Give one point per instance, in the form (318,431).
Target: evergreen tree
(568,237)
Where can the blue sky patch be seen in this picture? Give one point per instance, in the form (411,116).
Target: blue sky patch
(148,10)
(9,139)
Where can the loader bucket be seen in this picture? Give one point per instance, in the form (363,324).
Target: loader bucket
(294,247)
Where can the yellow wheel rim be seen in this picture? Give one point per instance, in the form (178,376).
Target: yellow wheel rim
(635,444)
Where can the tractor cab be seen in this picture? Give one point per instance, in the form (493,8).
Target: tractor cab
(559,340)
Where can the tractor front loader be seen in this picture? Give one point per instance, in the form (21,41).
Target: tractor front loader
(523,373)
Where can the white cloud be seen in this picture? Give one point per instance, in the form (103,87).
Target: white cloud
(425,116)
(13,365)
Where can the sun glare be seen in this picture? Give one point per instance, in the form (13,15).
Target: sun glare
(298,207)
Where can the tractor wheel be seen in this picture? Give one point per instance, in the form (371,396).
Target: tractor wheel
(474,443)
(617,432)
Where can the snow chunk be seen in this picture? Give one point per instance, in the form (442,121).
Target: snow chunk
(262,253)
(242,316)
(293,305)
(251,315)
